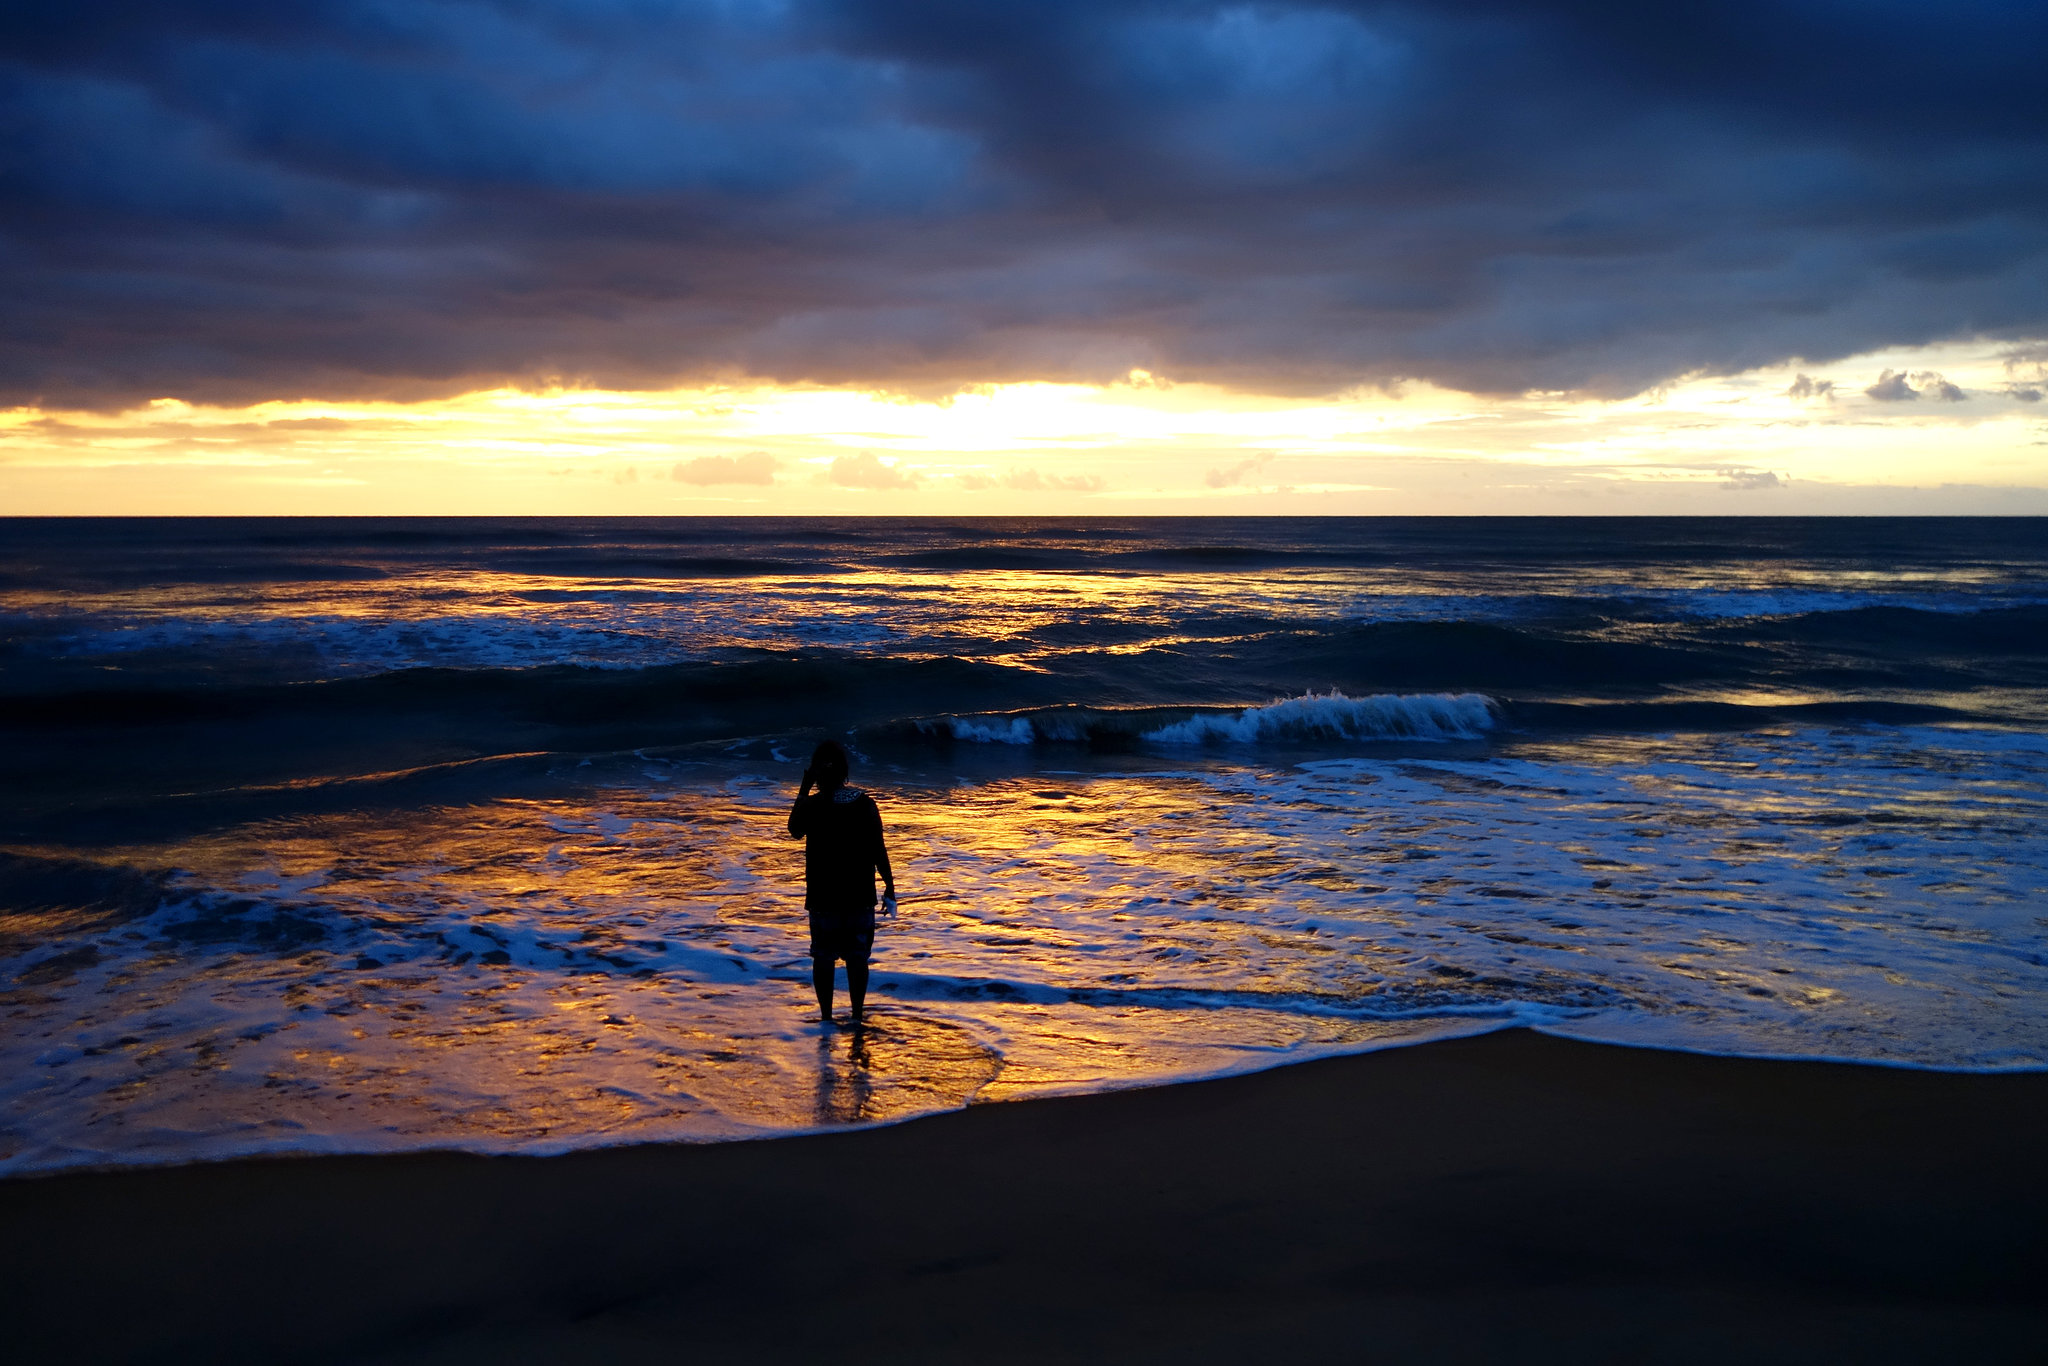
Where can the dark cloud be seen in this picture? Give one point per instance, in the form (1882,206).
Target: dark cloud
(1804,387)
(1896,386)
(1740,479)
(755,467)
(221,199)
(2027,369)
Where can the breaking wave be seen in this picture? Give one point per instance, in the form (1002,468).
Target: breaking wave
(1312,716)
(1333,716)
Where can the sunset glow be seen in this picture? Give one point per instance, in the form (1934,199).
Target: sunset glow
(1756,442)
(593,592)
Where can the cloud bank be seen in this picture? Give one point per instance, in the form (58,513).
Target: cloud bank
(1896,386)
(228,200)
(866,471)
(755,467)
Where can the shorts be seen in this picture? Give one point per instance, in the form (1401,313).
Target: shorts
(842,937)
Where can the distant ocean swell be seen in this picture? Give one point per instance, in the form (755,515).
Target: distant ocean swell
(751,691)
(301,554)
(1533,638)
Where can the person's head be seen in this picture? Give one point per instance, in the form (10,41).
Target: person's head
(828,765)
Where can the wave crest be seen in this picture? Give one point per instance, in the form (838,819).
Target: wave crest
(1334,716)
(1312,716)
(1016,730)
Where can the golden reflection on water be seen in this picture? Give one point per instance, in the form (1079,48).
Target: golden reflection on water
(626,959)
(427,610)
(633,963)
(397,613)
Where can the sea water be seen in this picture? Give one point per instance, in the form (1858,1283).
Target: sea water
(358,835)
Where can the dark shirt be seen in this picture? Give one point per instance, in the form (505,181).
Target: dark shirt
(842,834)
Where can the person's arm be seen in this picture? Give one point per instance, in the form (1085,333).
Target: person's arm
(882,853)
(798,815)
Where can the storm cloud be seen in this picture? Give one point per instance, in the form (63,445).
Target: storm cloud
(233,200)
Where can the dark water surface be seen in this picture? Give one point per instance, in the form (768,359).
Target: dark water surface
(358,834)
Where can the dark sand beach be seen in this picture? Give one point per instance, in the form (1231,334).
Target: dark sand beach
(1507,1197)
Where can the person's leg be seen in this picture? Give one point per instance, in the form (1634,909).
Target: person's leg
(857,985)
(821,978)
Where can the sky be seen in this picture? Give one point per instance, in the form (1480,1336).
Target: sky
(726,257)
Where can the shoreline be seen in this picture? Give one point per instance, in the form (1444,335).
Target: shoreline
(571,1148)
(1462,1199)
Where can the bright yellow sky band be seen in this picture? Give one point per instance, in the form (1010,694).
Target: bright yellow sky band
(1882,433)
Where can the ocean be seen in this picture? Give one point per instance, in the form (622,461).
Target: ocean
(362,835)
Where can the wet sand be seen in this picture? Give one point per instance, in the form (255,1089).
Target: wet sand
(1505,1198)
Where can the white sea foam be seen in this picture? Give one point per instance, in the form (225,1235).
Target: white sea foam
(1713,604)
(1310,717)
(1333,716)
(1017,730)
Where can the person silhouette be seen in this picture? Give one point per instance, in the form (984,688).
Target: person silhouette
(841,828)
